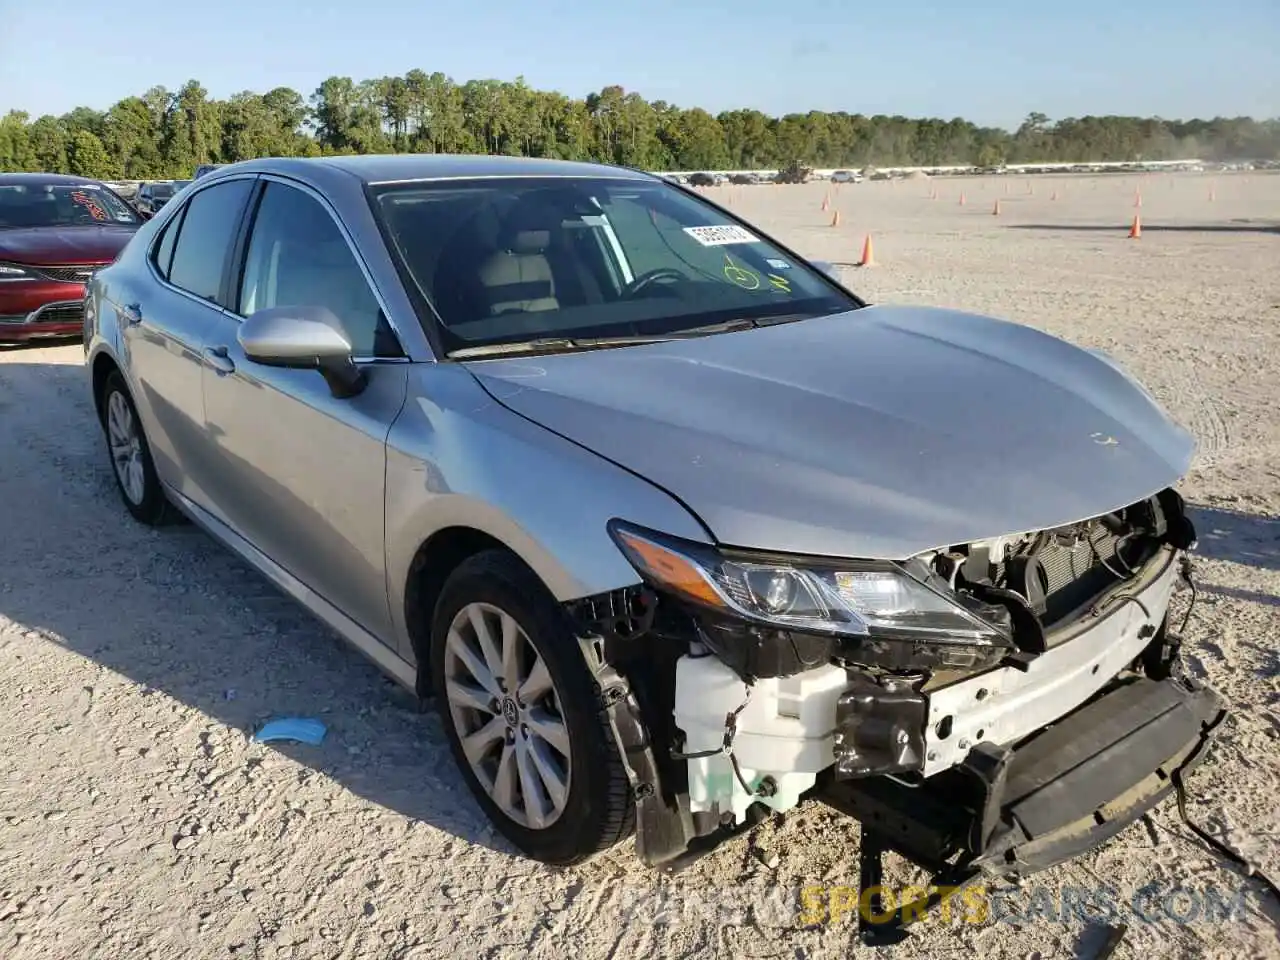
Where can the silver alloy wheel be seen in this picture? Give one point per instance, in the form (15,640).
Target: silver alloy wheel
(506,712)
(125,442)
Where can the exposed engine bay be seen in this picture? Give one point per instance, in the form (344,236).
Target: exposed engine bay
(723,718)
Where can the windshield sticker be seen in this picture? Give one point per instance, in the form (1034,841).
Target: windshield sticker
(779,283)
(740,276)
(719,236)
(89,203)
(778,264)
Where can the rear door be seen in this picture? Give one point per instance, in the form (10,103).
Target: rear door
(303,473)
(164,330)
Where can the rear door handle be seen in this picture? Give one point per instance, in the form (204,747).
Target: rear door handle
(217,358)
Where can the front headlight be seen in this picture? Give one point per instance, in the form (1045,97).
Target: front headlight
(883,613)
(12,271)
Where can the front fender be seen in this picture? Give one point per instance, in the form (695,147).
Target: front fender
(456,457)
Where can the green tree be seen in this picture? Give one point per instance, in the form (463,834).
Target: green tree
(164,134)
(16,151)
(87,157)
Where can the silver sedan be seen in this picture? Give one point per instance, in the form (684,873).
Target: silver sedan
(672,527)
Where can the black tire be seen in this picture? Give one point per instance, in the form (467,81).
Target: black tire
(153,508)
(599,811)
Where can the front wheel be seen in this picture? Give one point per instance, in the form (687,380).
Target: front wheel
(523,718)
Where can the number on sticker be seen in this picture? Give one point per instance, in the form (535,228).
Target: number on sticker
(719,236)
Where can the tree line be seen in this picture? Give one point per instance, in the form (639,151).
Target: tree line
(164,134)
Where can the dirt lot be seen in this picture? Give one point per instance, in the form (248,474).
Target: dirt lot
(138,820)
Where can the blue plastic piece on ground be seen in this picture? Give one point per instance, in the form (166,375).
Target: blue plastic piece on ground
(301,729)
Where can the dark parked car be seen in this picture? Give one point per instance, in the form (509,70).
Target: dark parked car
(151,197)
(701,180)
(54,232)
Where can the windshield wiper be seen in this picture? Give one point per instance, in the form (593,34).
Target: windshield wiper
(552,344)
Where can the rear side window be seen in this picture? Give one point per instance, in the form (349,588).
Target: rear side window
(206,236)
(162,253)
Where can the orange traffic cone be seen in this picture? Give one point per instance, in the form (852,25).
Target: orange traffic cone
(962,200)
(826,202)
(835,220)
(1212,194)
(1135,231)
(868,256)
(1137,198)
(995,211)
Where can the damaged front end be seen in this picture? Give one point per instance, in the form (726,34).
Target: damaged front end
(997,707)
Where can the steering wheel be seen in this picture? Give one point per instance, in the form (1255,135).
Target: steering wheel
(651,276)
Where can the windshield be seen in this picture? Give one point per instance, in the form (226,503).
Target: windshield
(61,205)
(514,260)
(162,191)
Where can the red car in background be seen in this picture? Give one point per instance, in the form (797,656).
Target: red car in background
(55,231)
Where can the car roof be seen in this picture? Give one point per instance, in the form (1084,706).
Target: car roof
(393,168)
(63,179)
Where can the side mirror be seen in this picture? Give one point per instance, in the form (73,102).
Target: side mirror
(303,338)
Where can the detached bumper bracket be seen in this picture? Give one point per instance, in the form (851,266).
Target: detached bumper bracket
(1015,811)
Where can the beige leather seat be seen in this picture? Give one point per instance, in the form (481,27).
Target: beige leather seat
(518,279)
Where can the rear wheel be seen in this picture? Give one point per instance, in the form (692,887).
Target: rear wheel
(131,463)
(522,715)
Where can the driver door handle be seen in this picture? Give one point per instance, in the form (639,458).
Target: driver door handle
(217,358)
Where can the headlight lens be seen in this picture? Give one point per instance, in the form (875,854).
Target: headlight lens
(11,271)
(874,600)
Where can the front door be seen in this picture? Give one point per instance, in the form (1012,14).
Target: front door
(303,473)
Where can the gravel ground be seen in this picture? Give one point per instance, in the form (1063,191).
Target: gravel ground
(137,819)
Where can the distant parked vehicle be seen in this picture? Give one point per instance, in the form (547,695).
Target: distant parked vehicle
(151,197)
(55,231)
(846,176)
(792,173)
(701,180)
(744,178)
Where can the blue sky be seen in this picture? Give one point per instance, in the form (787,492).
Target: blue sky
(991,61)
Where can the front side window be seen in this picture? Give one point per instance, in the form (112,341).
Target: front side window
(511,260)
(297,256)
(205,238)
(62,205)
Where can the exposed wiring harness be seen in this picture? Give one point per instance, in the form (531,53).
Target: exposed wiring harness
(1209,840)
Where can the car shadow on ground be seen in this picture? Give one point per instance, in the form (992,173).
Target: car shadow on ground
(180,616)
(1239,537)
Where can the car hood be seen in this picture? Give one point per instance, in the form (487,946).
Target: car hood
(59,245)
(878,433)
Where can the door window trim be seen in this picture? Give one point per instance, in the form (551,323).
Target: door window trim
(245,235)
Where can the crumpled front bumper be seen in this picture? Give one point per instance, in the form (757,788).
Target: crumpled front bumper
(1056,795)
